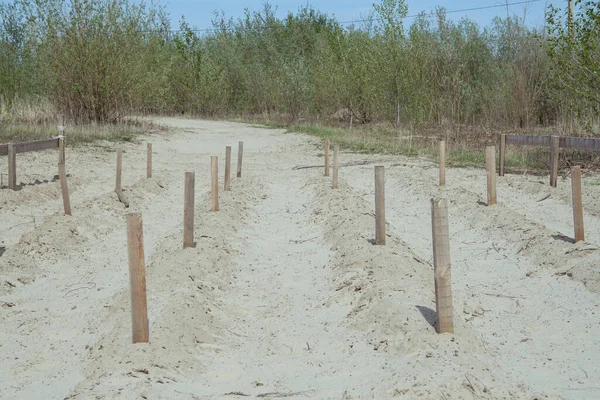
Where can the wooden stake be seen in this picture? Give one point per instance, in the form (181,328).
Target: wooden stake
(442,163)
(554,152)
(490,166)
(188,210)
(149,161)
(502,155)
(379,205)
(119,159)
(61,151)
(64,188)
(227,168)
(327,158)
(441,266)
(240,156)
(137,278)
(577,203)
(336,165)
(214,183)
(12,166)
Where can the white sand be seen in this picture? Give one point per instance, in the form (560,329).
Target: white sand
(284,294)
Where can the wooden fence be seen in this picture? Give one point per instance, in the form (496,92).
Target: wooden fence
(555,143)
(12,149)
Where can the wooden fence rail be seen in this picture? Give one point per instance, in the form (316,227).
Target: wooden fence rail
(574,143)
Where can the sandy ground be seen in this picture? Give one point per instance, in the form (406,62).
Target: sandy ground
(284,295)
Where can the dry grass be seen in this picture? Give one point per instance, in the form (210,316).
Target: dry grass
(13,132)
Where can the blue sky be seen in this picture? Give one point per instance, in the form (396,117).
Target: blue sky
(198,13)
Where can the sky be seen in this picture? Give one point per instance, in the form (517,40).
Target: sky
(198,13)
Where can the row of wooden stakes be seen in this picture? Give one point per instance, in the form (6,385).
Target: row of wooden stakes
(440,233)
(135,243)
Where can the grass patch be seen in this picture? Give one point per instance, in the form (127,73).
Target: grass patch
(126,131)
(463,150)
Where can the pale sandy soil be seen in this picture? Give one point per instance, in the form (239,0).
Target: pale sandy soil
(284,294)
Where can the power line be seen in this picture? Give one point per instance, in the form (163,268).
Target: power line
(378,19)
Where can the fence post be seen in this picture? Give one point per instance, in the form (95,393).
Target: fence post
(379,205)
(227,168)
(490,166)
(336,166)
(327,158)
(577,203)
(441,266)
(442,162)
(214,183)
(554,152)
(137,278)
(502,155)
(61,150)
(119,160)
(188,210)
(12,166)
(240,156)
(149,161)
(63,178)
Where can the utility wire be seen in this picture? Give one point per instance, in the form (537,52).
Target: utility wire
(378,19)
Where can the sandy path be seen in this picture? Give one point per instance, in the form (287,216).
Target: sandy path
(292,342)
(284,294)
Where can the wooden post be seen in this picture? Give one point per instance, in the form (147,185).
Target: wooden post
(137,278)
(441,266)
(336,165)
(554,152)
(188,210)
(240,156)
(490,166)
(119,159)
(502,155)
(227,168)
(61,151)
(149,161)
(12,167)
(577,203)
(64,188)
(442,162)
(379,205)
(214,183)
(570,19)
(327,158)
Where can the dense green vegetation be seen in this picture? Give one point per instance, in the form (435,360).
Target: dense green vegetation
(98,60)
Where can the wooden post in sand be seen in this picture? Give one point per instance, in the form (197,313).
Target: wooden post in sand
(336,166)
(188,210)
(227,168)
(327,158)
(240,156)
(137,278)
(149,161)
(441,266)
(379,205)
(12,166)
(502,155)
(63,178)
(490,166)
(577,203)
(61,150)
(554,152)
(442,162)
(214,183)
(119,160)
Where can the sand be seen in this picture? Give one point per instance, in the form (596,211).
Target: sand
(284,294)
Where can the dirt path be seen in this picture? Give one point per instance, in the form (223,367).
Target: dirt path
(284,295)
